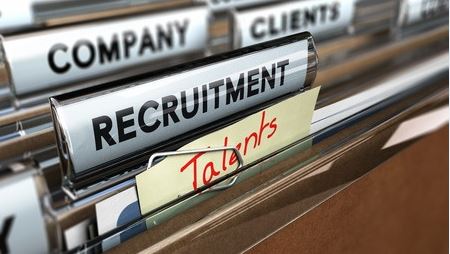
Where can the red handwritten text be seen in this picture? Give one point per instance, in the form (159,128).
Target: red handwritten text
(253,140)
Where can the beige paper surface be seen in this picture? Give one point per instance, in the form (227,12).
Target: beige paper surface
(254,136)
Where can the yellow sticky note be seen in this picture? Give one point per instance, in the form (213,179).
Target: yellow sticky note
(254,136)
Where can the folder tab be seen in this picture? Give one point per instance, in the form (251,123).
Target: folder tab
(62,56)
(116,123)
(21,217)
(413,11)
(319,17)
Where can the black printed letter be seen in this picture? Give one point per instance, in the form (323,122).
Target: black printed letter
(122,125)
(232,94)
(51,59)
(76,53)
(145,127)
(282,65)
(129,39)
(254,33)
(7,225)
(106,54)
(169,110)
(252,81)
(100,133)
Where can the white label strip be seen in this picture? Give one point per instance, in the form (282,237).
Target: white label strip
(15,14)
(222,5)
(66,55)
(22,226)
(419,126)
(319,17)
(102,128)
(418,10)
